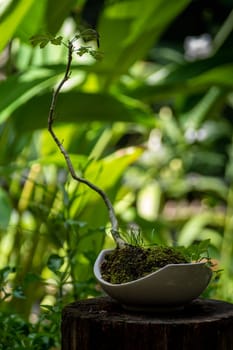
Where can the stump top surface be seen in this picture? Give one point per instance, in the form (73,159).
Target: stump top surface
(106,309)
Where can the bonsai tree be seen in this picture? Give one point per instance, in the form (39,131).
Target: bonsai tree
(85,35)
(144,260)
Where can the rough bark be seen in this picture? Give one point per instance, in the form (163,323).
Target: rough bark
(101,324)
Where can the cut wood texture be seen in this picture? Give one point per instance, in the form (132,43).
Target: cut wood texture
(102,324)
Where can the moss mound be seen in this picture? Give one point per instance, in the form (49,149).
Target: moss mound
(133,262)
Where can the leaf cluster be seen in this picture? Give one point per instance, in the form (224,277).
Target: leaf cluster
(44,39)
(6,288)
(16,333)
(197,251)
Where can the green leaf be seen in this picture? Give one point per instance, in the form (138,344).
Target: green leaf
(57,40)
(18,293)
(195,117)
(196,251)
(190,77)
(33,21)
(32,277)
(88,35)
(193,229)
(149,201)
(43,39)
(56,12)
(18,89)
(106,174)
(5,272)
(12,20)
(5,209)
(55,262)
(83,50)
(79,107)
(129,28)
(97,55)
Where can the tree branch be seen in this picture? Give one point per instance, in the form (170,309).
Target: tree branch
(112,217)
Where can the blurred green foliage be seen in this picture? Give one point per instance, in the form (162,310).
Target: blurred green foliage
(151,123)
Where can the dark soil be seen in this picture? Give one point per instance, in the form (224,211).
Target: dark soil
(133,262)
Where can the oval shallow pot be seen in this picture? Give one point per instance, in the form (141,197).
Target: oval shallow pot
(173,285)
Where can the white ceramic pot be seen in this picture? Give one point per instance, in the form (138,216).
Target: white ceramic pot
(171,286)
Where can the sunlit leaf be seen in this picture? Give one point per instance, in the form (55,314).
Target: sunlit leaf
(11,22)
(149,201)
(19,88)
(191,231)
(32,22)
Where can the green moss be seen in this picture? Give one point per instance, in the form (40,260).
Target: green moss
(133,262)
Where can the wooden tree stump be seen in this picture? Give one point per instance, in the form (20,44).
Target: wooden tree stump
(102,324)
